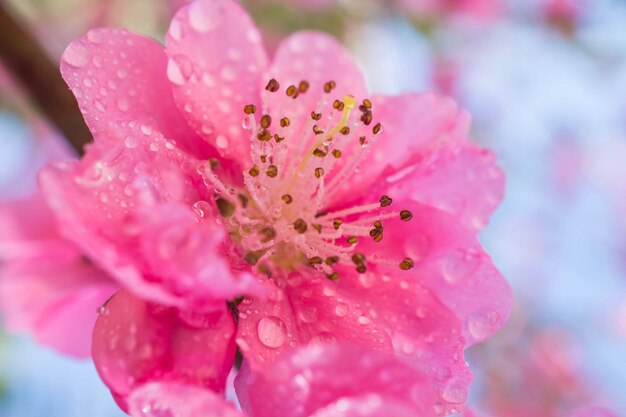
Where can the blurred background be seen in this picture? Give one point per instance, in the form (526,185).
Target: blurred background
(545,83)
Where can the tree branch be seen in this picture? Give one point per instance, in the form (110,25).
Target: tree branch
(31,67)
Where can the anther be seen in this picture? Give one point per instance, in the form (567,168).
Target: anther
(320,153)
(378,224)
(362,140)
(225,207)
(331,260)
(243,200)
(254,171)
(344,130)
(366,118)
(249,109)
(300,226)
(266,121)
(252,257)
(337,153)
(376,128)
(317,227)
(319,172)
(316,116)
(406,264)
(316,260)
(272,86)
(263,158)
(352,240)
(214,163)
(267,233)
(292,91)
(358,258)
(376,234)
(385,201)
(361,268)
(278,139)
(287,198)
(406,215)
(272,171)
(334,276)
(264,135)
(339,105)
(337,224)
(367,104)
(284,122)
(329,86)
(303,87)
(317,130)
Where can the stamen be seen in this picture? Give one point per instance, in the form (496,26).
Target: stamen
(272,86)
(266,121)
(319,172)
(249,109)
(254,171)
(406,264)
(406,215)
(329,86)
(288,199)
(300,226)
(304,86)
(225,207)
(385,201)
(272,171)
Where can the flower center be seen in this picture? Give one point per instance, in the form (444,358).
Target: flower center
(280,218)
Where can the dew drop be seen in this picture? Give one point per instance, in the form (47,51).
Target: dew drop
(341,310)
(483,323)
(95,36)
(174,73)
(205,16)
(454,393)
(146,130)
(176,30)
(76,55)
(459,265)
(308,314)
(364,320)
(228,73)
(131,142)
(221,141)
(253,35)
(271,331)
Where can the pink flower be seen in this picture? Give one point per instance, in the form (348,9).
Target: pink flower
(340,215)
(483,10)
(313,381)
(46,286)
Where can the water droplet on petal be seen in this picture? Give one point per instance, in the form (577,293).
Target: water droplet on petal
(174,73)
(483,323)
(131,142)
(76,55)
(272,332)
(205,16)
(308,314)
(221,141)
(454,393)
(95,36)
(364,320)
(175,30)
(341,310)
(458,265)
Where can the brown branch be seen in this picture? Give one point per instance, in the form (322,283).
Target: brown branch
(31,67)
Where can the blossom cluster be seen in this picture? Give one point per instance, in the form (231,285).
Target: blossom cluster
(270,216)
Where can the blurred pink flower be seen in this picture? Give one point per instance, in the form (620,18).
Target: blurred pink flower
(313,381)
(482,10)
(46,286)
(352,221)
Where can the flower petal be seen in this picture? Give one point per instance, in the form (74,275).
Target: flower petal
(423,331)
(215,64)
(119,80)
(158,399)
(310,379)
(56,301)
(423,154)
(298,311)
(450,262)
(135,342)
(371,405)
(130,208)
(46,286)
